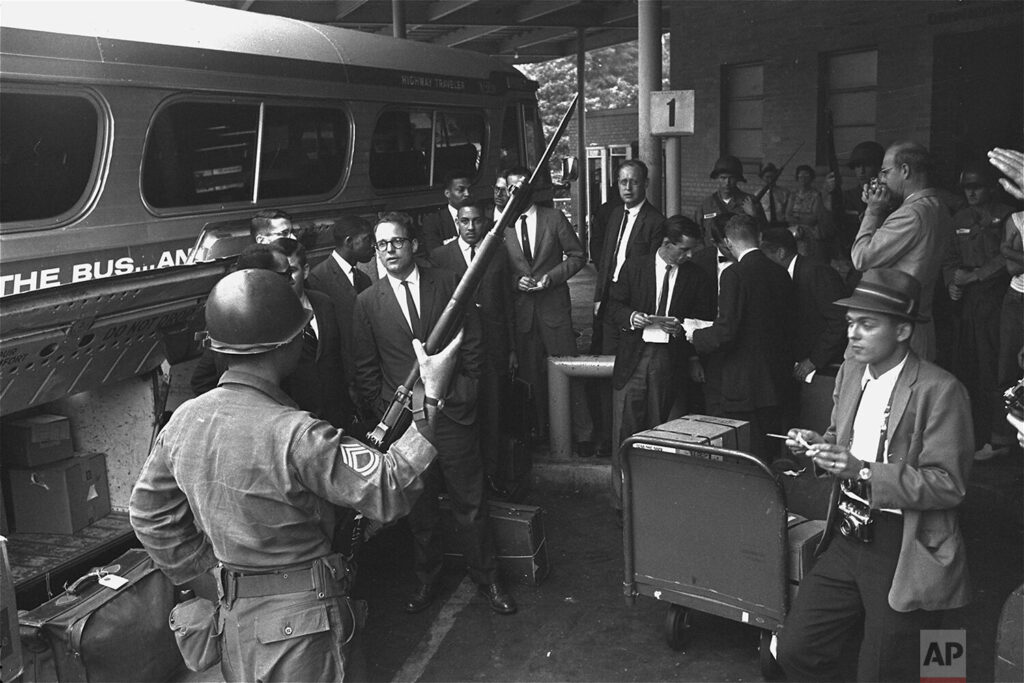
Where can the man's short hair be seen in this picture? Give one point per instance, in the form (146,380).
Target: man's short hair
(456,174)
(779,238)
(475,204)
(916,156)
(291,247)
(398,218)
(742,227)
(260,223)
(258,256)
(805,167)
(349,226)
(634,163)
(516,170)
(677,227)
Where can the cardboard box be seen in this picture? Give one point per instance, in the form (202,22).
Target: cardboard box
(519,543)
(720,436)
(10,642)
(59,498)
(36,440)
(740,428)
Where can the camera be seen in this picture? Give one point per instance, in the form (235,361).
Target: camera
(1013,400)
(855,512)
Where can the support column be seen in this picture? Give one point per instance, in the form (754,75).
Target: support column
(673,182)
(582,185)
(398,18)
(648,80)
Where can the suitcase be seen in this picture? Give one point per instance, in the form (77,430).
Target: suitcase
(803,536)
(519,544)
(1009,648)
(93,632)
(519,414)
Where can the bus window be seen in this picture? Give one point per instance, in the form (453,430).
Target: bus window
(304,151)
(201,153)
(406,140)
(48,147)
(533,135)
(511,139)
(458,143)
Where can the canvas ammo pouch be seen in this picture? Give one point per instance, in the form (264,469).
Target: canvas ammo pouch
(197,628)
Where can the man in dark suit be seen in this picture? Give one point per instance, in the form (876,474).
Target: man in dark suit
(652,296)
(314,386)
(338,277)
(821,327)
(754,330)
(440,227)
(404,305)
(493,302)
(544,252)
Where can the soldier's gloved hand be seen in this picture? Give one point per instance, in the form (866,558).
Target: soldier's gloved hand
(436,371)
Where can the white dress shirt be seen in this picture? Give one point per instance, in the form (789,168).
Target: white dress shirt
(346,267)
(867,423)
(531,228)
(620,255)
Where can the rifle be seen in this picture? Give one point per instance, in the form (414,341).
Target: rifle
(761,192)
(833,166)
(396,417)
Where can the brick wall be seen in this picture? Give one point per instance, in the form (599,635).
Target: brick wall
(789,39)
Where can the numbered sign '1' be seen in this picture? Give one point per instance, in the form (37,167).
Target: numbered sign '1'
(672,112)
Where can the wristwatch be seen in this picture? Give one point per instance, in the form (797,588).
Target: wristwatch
(435,402)
(865,473)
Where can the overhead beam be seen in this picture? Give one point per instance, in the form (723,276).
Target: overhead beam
(465,35)
(442,8)
(531,11)
(343,8)
(530,38)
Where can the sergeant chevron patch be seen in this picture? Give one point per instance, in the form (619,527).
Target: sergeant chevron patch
(360,459)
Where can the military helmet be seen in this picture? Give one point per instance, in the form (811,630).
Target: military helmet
(253,311)
(867,153)
(729,164)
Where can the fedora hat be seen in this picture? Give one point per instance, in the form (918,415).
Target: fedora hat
(768,168)
(889,291)
(729,164)
(867,153)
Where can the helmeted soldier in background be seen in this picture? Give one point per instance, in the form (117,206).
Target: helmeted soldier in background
(728,198)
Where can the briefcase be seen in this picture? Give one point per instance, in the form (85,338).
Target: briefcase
(803,537)
(95,632)
(519,544)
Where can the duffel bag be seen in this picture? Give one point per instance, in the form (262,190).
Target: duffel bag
(110,625)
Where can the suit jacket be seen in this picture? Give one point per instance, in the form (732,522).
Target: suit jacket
(438,228)
(383,345)
(931,448)
(644,240)
(821,325)
(328,278)
(754,331)
(558,254)
(692,297)
(493,300)
(317,385)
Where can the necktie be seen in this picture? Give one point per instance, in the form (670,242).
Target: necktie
(527,251)
(618,242)
(414,315)
(309,338)
(663,299)
(771,204)
(472,252)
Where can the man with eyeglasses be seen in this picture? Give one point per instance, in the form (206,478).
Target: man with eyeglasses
(915,237)
(404,305)
(500,198)
(270,224)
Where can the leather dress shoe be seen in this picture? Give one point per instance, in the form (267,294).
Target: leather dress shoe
(499,600)
(421,599)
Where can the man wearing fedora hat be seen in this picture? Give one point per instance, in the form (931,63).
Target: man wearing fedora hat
(899,450)
(728,198)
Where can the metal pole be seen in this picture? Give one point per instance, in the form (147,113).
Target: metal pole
(673,182)
(583,185)
(398,18)
(649,80)
(560,369)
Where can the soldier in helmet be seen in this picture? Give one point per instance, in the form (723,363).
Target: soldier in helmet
(728,198)
(865,162)
(234,495)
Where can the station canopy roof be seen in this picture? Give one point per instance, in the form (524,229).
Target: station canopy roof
(518,32)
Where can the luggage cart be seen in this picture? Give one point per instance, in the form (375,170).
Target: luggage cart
(704,528)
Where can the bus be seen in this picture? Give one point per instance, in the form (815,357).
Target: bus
(138,139)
